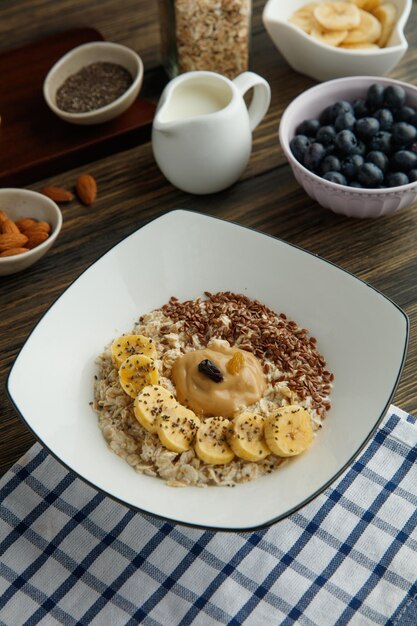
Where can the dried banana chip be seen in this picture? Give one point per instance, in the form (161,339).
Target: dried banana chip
(337,15)
(368,31)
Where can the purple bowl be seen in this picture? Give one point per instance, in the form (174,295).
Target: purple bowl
(342,199)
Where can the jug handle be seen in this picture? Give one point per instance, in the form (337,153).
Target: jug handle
(261,95)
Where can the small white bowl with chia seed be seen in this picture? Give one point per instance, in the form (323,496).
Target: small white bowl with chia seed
(93,83)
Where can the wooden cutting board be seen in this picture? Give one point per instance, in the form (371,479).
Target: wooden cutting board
(35,143)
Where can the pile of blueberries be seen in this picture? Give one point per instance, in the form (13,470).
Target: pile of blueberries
(369,143)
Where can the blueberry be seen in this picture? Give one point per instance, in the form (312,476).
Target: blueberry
(370,175)
(308,127)
(299,145)
(346,142)
(413,147)
(326,135)
(350,165)
(413,120)
(343,106)
(375,97)
(356,183)
(403,133)
(313,156)
(335,177)
(326,116)
(405,114)
(395,179)
(379,159)
(344,121)
(394,96)
(360,109)
(361,148)
(412,176)
(381,141)
(330,148)
(385,118)
(366,127)
(330,163)
(404,160)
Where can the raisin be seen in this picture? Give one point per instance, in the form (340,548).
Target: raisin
(236,363)
(208,368)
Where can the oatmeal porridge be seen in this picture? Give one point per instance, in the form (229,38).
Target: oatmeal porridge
(213,391)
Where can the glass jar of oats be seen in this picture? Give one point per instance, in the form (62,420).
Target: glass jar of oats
(209,35)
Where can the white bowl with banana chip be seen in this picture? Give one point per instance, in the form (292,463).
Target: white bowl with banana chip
(336,46)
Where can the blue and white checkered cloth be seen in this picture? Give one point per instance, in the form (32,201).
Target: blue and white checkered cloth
(69,555)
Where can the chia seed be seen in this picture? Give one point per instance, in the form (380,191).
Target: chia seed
(93,87)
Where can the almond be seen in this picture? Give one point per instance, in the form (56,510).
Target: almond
(57,194)
(25,223)
(86,188)
(13,251)
(3,216)
(12,240)
(35,237)
(8,226)
(38,226)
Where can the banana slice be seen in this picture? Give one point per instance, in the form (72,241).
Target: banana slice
(127,345)
(337,15)
(366,5)
(304,18)
(359,46)
(247,439)
(368,31)
(151,402)
(289,432)
(176,428)
(211,441)
(329,37)
(136,372)
(387,15)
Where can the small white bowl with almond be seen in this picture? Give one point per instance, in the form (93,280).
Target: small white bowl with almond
(29,225)
(330,39)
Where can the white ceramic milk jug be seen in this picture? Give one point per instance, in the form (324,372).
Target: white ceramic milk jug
(202,130)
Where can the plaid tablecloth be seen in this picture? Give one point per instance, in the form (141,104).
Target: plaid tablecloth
(70,556)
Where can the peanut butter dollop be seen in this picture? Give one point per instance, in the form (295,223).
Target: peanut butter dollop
(205,397)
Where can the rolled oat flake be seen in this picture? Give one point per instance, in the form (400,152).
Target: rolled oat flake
(93,87)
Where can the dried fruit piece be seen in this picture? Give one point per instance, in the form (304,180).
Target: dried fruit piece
(387,15)
(337,15)
(367,5)
(86,188)
(304,18)
(25,223)
(236,363)
(36,237)
(13,251)
(8,226)
(208,368)
(359,46)
(329,37)
(368,31)
(12,240)
(3,216)
(57,194)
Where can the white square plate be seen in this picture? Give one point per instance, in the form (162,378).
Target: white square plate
(362,334)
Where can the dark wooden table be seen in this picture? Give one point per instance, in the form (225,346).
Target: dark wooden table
(132,190)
